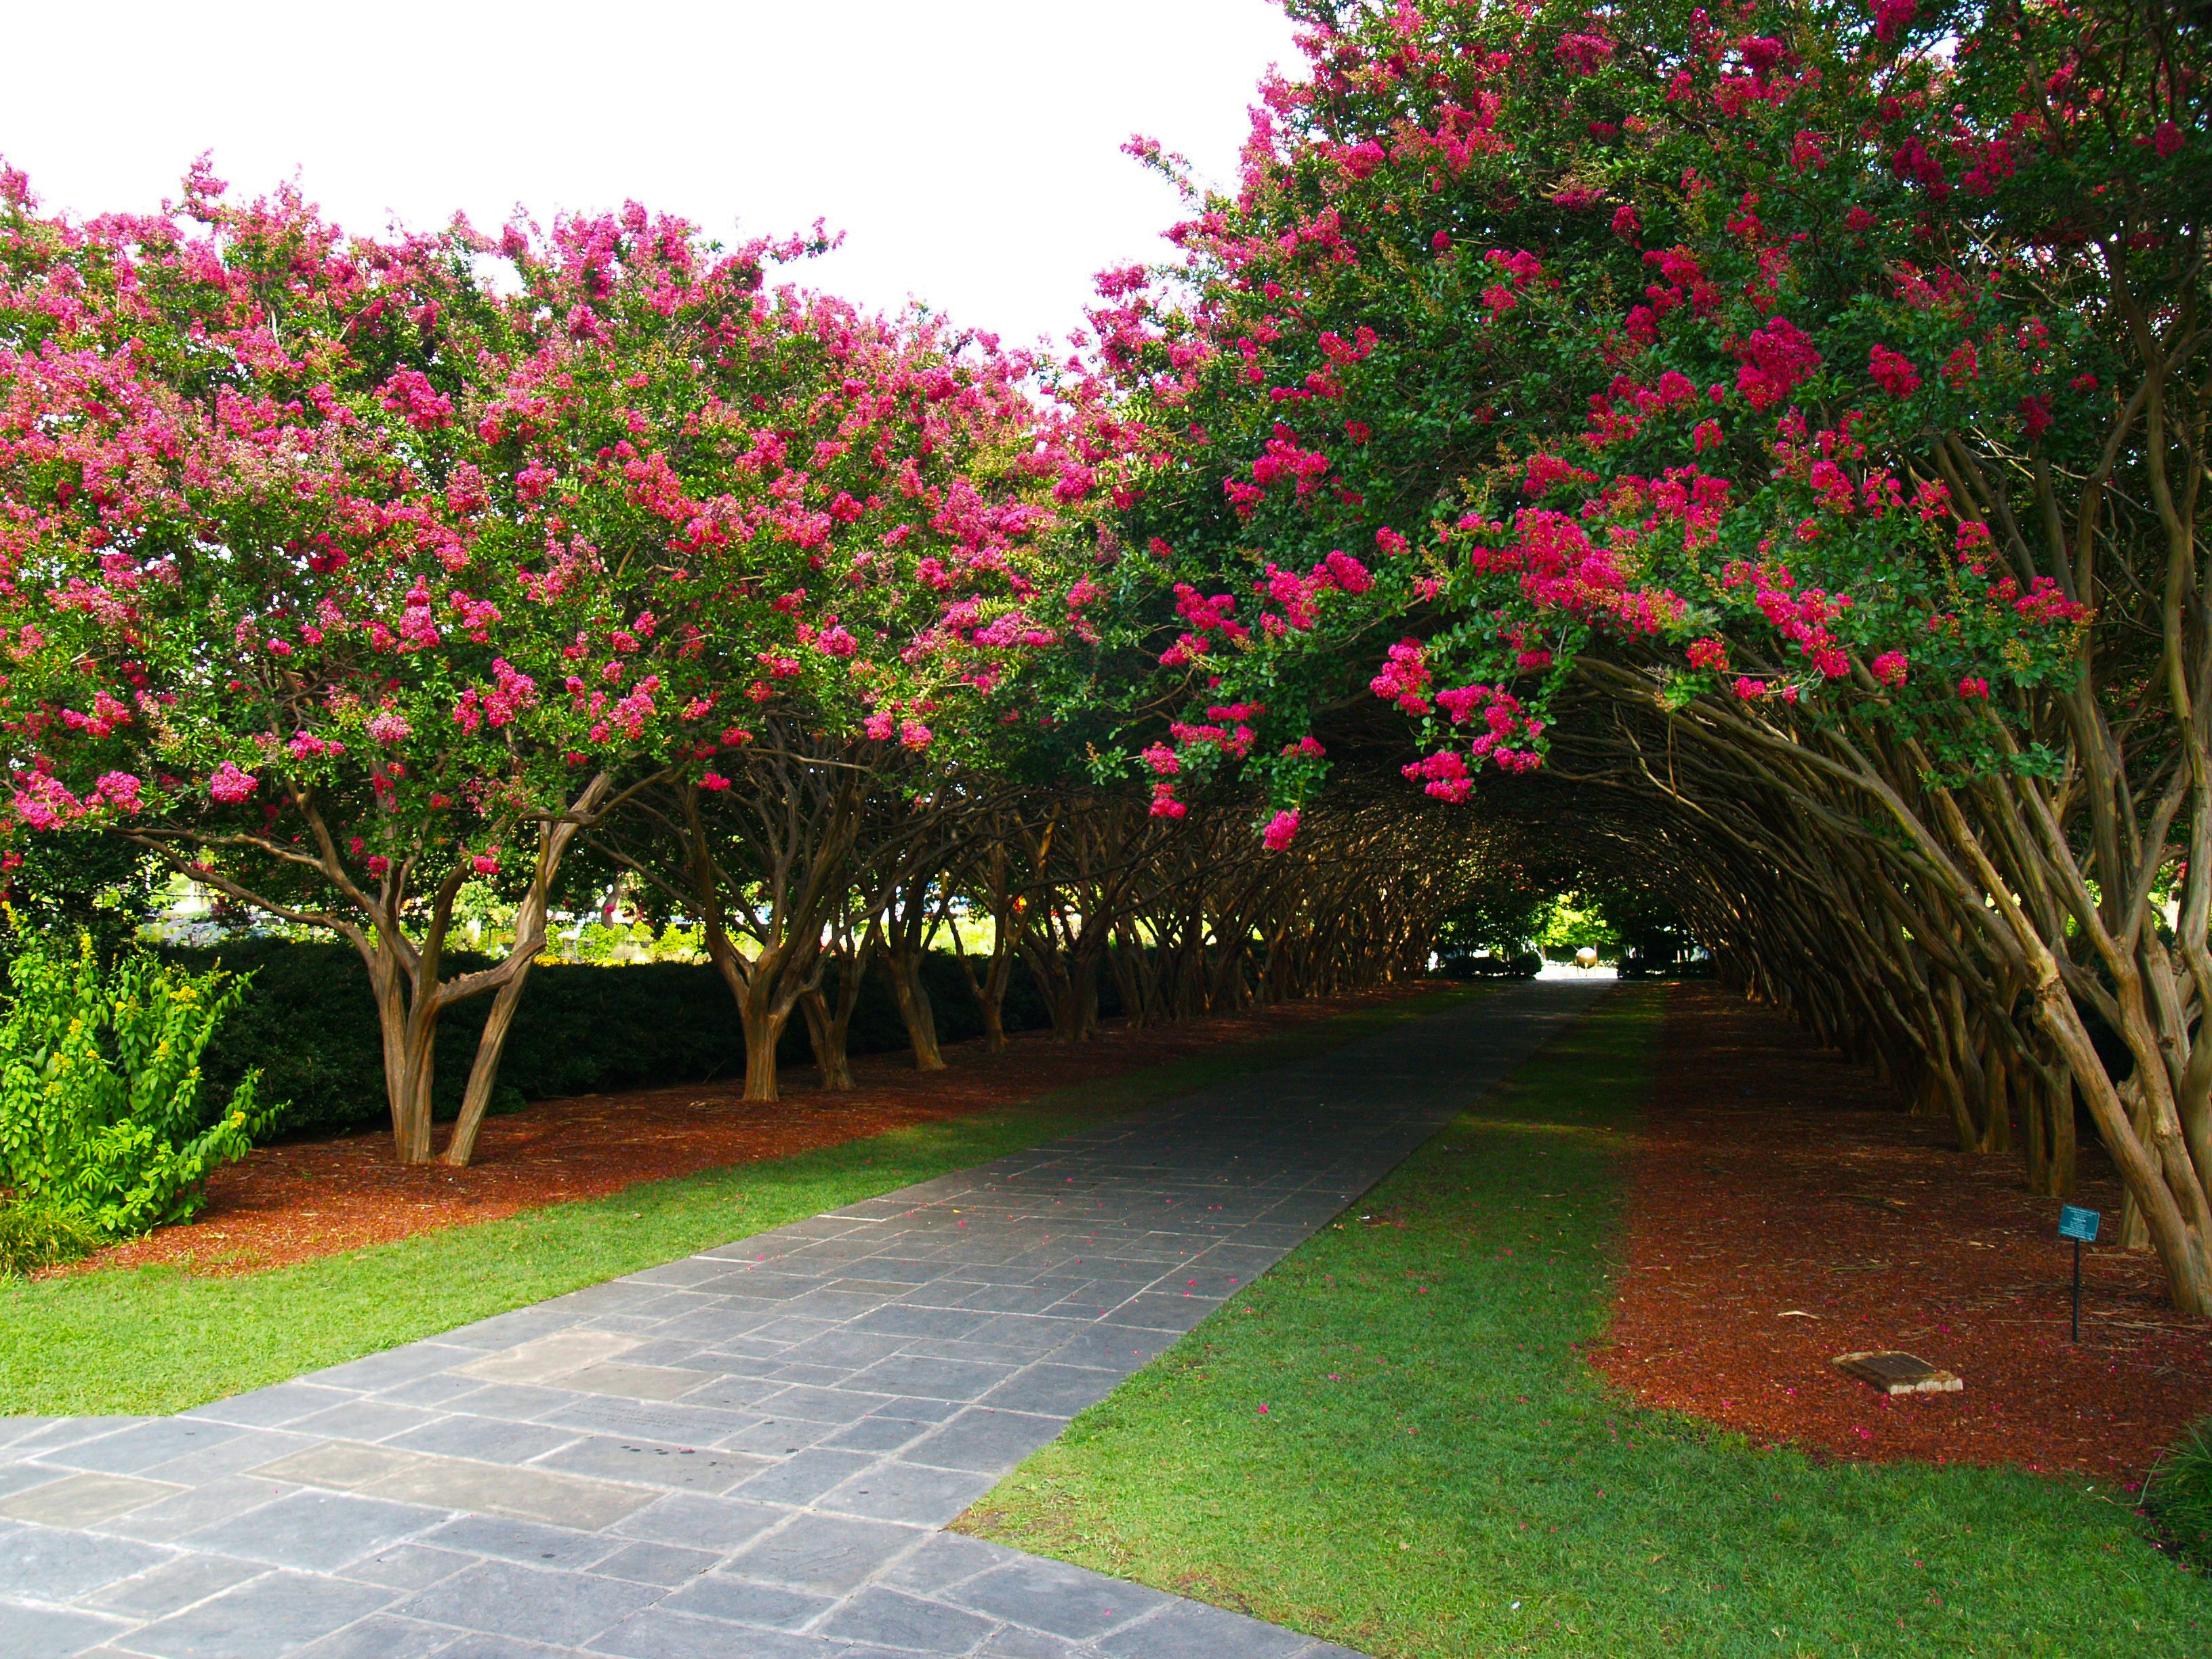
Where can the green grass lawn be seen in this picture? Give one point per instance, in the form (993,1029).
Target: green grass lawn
(158,1339)
(1391,1441)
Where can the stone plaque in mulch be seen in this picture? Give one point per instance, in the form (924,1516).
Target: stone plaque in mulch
(1897,1373)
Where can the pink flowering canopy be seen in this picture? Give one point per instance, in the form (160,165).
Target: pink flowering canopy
(344,558)
(1676,337)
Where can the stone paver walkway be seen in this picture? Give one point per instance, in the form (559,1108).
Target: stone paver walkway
(748,1453)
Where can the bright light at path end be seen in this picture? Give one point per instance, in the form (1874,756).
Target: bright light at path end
(970,149)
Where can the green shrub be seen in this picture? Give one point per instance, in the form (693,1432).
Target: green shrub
(33,1237)
(308,1025)
(2178,1494)
(101,1118)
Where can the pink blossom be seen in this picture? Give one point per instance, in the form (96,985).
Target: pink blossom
(1890,667)
(1280,830)
(713,782)
(390,725)
(230,786)
(119,790)
(484,864)
(912,734)
(1893,372)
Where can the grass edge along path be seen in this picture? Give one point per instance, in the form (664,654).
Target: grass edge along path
(1391,1441)
(158,1339)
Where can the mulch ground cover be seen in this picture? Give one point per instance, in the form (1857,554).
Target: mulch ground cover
(297,1200)
(1783,1210)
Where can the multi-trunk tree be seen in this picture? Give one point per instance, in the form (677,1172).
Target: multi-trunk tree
(1818,386)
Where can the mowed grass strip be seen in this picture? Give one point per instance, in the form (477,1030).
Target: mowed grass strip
(1391,1441)
(152,1340)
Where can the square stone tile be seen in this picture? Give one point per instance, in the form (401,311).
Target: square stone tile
(984,1440)
(338,1464)
(81,1500)
(747,1601)
(380,1636)
(176,1583)
(1114,1347)
(828,1554)
(407,1566)
(522,1542)
(317,1530)
(697,1521)
(521,1493)
(391,1368)
(247,1449)
(547,1359)
(195,1507)
(1057,1599)
(686,1425)
(657,1634)
(268,1618)
(487,1439)
(625,1381)
(562,1608)
(944,1560)
(654,1463)
(821,1405)
(1190,1630)
(893,1491)
(657,1564)
(875,1434)
(935,1379)
(905,1622)
(365,1421)
(1053,1390)
(133,1451)
(803,1478)
(51,1632)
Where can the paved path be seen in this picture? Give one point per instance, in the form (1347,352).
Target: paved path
(748,1453)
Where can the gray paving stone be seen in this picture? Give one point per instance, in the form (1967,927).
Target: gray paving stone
(503,1598)
(365,1421)
(270,1617)
(42,1564)
(875,1434)
(270,1407)
(933,1379)
(314,1529)
(51,1632)
(407,1566)
(195,1507)
(984,1440)
(1057,1599)
(380,1636)
(525,1541)
(892,1620)
(1189,1630)
(696,1520)
(657,1634)
(1052,1389)
(657,1564)
(829,1554)
(655,1463)
(946,1558)
(391,1367)
(83,1499)
(897,1490)
(805,1476)
(176,1583)
(1119,1347)
(748,1602)
(136,1450)
(492,1439)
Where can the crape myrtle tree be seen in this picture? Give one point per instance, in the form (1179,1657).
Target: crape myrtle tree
(1817,387)
(342,573)
(953,567)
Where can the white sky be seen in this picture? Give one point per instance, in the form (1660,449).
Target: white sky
(970,149)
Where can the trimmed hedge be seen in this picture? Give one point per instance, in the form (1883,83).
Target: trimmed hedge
(307,1021)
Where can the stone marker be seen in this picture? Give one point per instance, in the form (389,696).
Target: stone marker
(1897,1373)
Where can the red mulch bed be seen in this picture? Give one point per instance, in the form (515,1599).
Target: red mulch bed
(297,1200)
(1754,1193)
